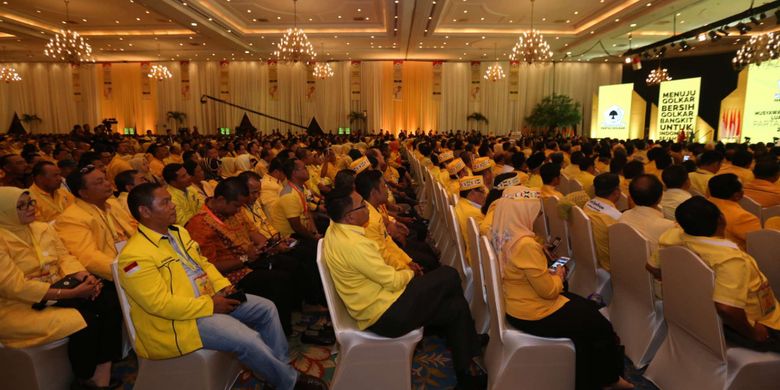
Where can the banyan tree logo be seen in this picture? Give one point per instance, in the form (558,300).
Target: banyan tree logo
(613,117)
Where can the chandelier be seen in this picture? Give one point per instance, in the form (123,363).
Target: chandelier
(159,72)
(494,72)
(8,74)
(294,45)
(531,46)
(68,46)
(323,71)
(657,76)
(758,49)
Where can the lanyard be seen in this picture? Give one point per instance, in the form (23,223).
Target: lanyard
(185,257)
(263,221)
(108,223)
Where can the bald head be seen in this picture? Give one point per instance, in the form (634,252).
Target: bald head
(646,190)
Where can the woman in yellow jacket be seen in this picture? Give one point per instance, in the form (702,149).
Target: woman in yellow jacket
(32,258)
(535,299)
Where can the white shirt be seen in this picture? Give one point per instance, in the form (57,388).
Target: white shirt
(672,198)
(649,222)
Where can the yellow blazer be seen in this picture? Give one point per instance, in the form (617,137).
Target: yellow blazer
(23,283)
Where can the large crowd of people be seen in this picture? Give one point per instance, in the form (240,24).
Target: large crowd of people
(216,240)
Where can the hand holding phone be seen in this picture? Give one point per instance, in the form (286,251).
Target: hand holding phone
(238,295)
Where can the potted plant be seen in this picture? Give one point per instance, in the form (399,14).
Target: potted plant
(31,120)
(358,118)
(555,112)
(178,117)
(478,118)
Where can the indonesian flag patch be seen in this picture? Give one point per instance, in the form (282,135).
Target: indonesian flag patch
(131,268)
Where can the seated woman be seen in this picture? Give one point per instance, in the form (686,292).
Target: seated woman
(500,182)
(535,300)
(32,258)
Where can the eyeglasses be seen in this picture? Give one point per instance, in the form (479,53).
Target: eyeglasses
(362,206)
(27,205)
(87,169)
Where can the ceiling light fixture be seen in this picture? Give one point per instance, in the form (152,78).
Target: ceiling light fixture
(8,74)
(69,46)
(758,49)
(531,46)
(494,72)
(159,72)
(294,45)
(657,76)
(322,70)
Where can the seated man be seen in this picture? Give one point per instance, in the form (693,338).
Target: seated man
(726,192)
(14,169)
(646,191)
(47,191)
(603,214)
(551,177)
(483,166)
(764,189)
(178,300)
(456,169)
(393,302)
(707,166)
(272,185)
(742,294)
(184,195)
(290,215)
(124,182)
(740,166)
(94,228)
(587,175)
(472,196)
(677,184)
(534,163)
(631,170)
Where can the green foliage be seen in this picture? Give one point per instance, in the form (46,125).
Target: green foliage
(30,118)
(177,116)
(555,111)
(477,117)
(356,116)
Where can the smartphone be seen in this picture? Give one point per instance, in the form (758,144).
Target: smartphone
(553,246)
(292,244)
(559,262)
(238,295)
(686,158)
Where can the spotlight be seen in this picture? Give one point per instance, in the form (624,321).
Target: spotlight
(662,51)
(754,20)
(684,46)
(743,28)
(701,37)
(723,31)
(673,44)
(627,60)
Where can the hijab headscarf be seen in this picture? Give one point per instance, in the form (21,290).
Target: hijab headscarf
(514,217)
(9,218)
(228,166)
(245,162)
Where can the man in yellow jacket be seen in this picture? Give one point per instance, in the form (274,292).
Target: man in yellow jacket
(180,303)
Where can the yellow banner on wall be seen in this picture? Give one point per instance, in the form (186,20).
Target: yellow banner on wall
(678,108)
(762,102)
(614,111)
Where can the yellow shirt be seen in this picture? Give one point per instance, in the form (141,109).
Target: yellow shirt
(738,279)
(571,171)
(738,221)
(188,203)
(391,175)
(256,214)
(377,232)
(91,234)
(745,175)
(772,223)
(464,210)
(549,191)
(270,188)
(25,280)
(314,179)
(49,207)
(700,181)
(522,176)
(366,284)
(534,181)
(117,165)
(530,291)
(156,167)
(162,298)
(624,183)
(289,205)
(764,192)
(585,178)
(602,214)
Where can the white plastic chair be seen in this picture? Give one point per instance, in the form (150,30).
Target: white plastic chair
(460,263)
(44,367)
(202,369)
(694,354)
(541,227)
(364,357)
(769,212)
(557,225)
(517,360)
(587,278)
(565,186)
(635,314)
(478,305)
(762,245)
(751,206)
(574,185)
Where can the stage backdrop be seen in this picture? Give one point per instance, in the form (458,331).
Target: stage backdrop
(122,91)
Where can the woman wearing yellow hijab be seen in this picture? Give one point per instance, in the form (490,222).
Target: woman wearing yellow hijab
(535,300)
(32,258)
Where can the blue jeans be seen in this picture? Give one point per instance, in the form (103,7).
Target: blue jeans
(254,334)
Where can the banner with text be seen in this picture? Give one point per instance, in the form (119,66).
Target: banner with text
(614,110)
(437,65)
(762,103)
(398,81)
(678,108)
(184,66)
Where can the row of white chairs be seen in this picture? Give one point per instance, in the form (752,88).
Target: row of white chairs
(762,213)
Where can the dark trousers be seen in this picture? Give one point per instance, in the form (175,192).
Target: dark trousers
(101,340)
(770,345)
(599,356)
(421,253)
(434,300)
(276,285)
(308,275)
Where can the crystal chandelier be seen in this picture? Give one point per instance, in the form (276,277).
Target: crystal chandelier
(657,76)
(323,71)
(494,72)
(531,46)
(8,74)
(159,72)
(758,49)
(68,46)
(294,45)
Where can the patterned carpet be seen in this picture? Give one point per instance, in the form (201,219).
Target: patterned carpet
(431,367)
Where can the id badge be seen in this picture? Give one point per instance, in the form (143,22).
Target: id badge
(204,285)
(766,299)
